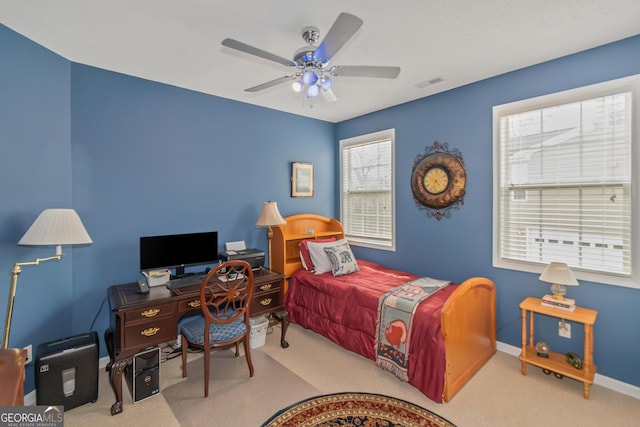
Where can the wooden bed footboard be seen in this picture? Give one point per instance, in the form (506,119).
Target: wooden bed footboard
(468,321)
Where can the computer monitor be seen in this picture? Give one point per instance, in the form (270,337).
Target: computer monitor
(178,251)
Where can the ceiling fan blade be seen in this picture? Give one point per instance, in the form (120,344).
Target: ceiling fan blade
(269,84)
(365,71)
(341,31)
(243,47)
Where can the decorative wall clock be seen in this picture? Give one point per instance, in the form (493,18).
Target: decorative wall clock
(438,180)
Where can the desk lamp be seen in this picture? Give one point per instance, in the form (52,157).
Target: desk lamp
(558,274)
(269,217)
(52,227)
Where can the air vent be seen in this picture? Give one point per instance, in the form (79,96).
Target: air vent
(429,82)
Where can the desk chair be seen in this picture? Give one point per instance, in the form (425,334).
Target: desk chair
(225,300)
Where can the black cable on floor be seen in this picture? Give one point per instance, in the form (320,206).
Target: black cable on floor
(96,316)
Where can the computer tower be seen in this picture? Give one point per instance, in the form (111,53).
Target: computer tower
(66,371)
(143,375)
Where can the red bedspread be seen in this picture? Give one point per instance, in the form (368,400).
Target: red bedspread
(345,308)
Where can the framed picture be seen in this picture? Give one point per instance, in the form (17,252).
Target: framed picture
(301,179)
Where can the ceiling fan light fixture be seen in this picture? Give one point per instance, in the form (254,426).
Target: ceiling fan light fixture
(309,77)
(297,85)
(329,96)
(326,83)
(313,91)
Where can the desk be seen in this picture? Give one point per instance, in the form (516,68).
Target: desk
(12,361)
(139,320)
(556,362)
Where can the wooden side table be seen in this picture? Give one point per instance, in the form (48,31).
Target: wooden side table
(556,362)
(12,361)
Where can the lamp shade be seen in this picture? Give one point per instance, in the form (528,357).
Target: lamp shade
(270,215)
(309,78)
(558,273)
(56,227)
(313,91)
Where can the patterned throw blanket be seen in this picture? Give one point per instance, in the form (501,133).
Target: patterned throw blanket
(395,319)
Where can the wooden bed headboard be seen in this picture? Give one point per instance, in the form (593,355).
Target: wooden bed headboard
(285,253)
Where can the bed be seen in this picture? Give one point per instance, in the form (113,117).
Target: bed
(453,333)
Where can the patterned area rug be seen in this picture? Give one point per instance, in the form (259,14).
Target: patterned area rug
(355,409)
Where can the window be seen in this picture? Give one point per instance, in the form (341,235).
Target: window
(563,182)
(367,197)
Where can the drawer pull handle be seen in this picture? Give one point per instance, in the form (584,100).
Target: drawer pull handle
(265,287)
(152,312)
(194,303)
(266,301)
(149,332)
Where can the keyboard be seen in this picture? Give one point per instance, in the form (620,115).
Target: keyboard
(183,282)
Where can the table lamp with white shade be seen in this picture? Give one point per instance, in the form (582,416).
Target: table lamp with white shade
(269,217)
(53,227)
(559,275)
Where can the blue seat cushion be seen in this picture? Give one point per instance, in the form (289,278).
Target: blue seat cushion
(193,329)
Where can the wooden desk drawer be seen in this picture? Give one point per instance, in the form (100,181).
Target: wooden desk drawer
(150,333)
(189,305)
(267,287)
(265,301)
(146,313)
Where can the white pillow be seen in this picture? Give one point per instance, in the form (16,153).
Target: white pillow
(342,260)
(319,257)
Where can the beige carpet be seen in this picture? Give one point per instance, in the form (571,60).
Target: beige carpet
(231,387)
(498,396)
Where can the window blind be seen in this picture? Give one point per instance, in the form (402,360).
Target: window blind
(367,190)
(565,184)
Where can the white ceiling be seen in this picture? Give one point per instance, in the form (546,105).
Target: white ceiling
(458,41)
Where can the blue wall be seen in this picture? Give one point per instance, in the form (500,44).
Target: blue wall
(35,174)
(152,159)
(135,157)
(460,247)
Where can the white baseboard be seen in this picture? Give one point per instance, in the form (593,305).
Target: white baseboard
(601,380)
(103,362)
(30,398)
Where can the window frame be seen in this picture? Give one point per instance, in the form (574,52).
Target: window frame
(626,84)
(371,138)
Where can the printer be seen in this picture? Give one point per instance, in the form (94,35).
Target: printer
(255,257)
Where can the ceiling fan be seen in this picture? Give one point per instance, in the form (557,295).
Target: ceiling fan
(313,74)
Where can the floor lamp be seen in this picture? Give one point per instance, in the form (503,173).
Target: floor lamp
(268,218)
(53,227)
